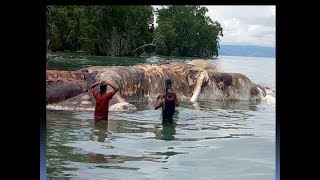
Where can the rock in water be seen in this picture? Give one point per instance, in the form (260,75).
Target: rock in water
(86,102)
(86,98)
(123,106)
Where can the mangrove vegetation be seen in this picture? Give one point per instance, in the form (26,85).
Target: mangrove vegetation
(182,30)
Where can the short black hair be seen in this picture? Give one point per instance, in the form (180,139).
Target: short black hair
(102,88)
(168,82)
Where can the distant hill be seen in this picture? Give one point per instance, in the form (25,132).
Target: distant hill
(246,50)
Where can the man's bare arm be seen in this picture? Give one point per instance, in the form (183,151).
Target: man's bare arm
(94,85)
(115,89)
(177,103)
(157,103)
(176,100)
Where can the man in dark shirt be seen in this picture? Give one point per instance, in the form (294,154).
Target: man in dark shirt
(168,84)
(102,100)
(168,105)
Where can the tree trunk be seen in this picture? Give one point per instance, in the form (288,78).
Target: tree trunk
(120,52)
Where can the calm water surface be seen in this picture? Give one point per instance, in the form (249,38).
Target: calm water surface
(209,140)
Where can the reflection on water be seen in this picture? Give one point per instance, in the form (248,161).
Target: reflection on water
(237,105)
(167,133)
(101,130)
(236,132)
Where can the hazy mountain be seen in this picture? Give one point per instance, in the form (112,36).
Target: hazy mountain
(246,50)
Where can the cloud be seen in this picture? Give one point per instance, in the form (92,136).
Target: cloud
(245,25)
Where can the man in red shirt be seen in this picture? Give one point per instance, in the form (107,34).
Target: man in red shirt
(102,100)
(168,85)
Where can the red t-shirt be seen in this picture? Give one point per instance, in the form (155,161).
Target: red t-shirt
(102,105)
(164,95)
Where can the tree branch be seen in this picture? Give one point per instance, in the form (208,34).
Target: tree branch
(144,46)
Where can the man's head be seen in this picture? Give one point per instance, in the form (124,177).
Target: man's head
(103,88)
(168,82)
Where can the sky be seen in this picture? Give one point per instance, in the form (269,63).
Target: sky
(245,25)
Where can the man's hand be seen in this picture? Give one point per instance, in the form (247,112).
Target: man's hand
(159,96)
(158,104)
(104,83)
(94,85)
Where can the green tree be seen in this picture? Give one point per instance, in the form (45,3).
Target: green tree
(186,31)
(129,30)
(101,30)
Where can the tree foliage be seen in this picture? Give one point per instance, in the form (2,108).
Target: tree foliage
(100,30)
(129,30)
(186,31)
